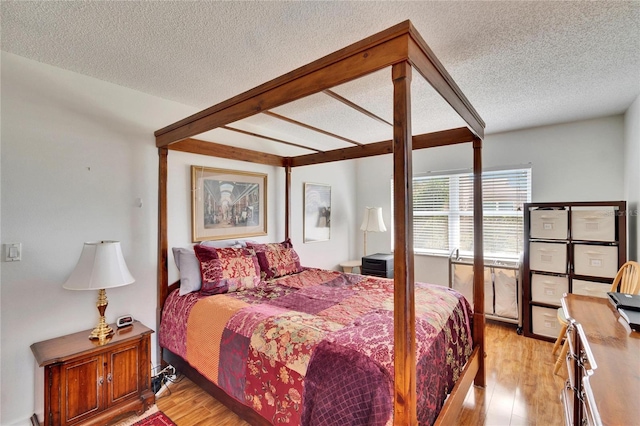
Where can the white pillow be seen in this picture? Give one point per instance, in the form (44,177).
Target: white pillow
(189,267)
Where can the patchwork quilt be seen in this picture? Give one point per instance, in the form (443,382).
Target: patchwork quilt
(316,347)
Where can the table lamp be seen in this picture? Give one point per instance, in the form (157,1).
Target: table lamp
(101,266)
(372,222)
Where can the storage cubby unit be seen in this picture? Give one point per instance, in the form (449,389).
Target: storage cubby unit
(573,247)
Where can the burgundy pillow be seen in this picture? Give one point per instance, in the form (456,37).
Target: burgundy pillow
(227,269)
(276,259)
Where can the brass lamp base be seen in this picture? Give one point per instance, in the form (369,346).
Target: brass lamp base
(102,331)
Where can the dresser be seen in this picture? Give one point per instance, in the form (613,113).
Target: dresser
(603,364)
(88,383)
(378,265)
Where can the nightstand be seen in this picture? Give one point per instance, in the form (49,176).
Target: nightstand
(379,265)
(91,384)
(349,265)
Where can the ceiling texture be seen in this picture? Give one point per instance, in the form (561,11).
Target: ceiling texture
(521,64)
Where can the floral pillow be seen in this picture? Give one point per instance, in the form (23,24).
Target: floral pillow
(225,270)
(276,259)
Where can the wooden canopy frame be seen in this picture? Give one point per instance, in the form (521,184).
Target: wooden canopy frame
(403,49)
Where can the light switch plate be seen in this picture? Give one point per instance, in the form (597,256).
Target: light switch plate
(13,252)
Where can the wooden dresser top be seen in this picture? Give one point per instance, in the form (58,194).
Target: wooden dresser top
(60,349)
(616,379)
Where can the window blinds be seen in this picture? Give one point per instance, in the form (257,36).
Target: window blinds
(443,212)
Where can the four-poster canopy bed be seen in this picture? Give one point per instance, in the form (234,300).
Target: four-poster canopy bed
(403,50)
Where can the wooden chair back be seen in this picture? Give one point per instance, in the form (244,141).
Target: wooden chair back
(627,279)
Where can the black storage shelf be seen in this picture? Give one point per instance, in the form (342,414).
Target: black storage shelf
(378,265)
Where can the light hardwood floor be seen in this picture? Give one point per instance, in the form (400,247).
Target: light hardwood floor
(521,389)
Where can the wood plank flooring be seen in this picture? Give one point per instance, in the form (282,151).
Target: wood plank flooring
(521,389)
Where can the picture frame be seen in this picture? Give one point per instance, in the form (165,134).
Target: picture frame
(227,204)
(317,212)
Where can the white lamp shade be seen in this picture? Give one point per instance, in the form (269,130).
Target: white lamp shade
(372,221)
(101,265)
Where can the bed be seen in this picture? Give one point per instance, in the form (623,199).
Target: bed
(311,346)
(402,50)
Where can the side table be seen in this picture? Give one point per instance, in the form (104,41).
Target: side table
(349,265)
(88,383)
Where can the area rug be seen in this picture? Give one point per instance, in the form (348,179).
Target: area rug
(156,419)
(152,417)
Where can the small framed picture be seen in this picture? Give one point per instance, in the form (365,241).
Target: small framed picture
(227,204)
(317,212)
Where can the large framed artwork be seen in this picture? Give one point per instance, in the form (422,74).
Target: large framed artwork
(317,212)
(227,204)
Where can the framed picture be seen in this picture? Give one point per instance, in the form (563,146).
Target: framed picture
(317,212)
(227,204)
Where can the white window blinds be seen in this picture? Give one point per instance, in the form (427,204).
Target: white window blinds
(443,212)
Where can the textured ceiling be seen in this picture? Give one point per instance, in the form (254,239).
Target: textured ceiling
(521,64)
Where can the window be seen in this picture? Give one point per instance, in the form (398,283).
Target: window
(443,212)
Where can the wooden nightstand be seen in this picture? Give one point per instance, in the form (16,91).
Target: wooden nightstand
(91,384)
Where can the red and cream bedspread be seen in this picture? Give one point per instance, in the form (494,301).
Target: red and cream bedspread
(316,348)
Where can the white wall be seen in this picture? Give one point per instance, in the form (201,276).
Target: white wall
(580,161)
(632,175)
(76,155)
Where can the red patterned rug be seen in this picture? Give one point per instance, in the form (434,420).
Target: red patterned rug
(156,419)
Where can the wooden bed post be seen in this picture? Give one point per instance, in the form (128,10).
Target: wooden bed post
(163,272)
(287,199)
(478,262)
(404,405)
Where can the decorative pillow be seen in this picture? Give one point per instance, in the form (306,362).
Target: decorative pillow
(189,267)
(276,259)
(227,269)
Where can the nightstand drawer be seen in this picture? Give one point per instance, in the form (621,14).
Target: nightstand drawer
(379,265)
